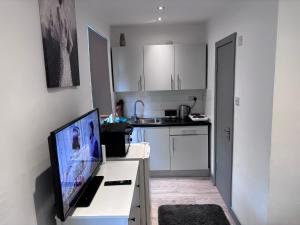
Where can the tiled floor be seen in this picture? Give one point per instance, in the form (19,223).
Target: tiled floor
(183,191)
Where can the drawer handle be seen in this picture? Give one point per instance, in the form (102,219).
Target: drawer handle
(133,219)
(189,131)
(138,206)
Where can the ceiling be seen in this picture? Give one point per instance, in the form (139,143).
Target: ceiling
(133,12)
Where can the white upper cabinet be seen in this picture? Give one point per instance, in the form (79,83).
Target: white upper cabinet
(190,67)
(128,68)
(159,67)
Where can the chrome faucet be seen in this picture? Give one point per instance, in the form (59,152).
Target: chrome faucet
(134,117)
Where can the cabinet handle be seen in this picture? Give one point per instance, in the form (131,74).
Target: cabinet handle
(173,146)
(138,206)
(178,82)
(133,219)
(171,82)
(138,186)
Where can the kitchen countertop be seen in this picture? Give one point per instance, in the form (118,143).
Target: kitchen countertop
(165,122)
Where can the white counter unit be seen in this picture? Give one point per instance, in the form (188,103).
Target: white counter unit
(141,152)
(112,205)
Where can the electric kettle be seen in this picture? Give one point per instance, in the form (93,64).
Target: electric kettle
(184,111)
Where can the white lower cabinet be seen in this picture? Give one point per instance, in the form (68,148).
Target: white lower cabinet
(158,138)
(112,205)
(189,148)
(135,212)
(176,148)
(140,207)
(189,152)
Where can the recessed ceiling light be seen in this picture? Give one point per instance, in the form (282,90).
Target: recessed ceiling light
(160,18)
(160,8)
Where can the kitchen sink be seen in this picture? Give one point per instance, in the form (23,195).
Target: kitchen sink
(147,121)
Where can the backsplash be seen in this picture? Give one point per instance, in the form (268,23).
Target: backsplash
(156,102)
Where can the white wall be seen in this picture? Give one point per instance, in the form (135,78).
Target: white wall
(140,35)
(284,203)
(29,111)
(255,63)
(156,102)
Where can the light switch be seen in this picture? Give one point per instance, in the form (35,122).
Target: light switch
(240,40)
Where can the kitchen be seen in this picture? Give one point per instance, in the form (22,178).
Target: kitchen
(263,187)
(160,77)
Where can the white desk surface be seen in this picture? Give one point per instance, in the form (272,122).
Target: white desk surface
(112,201)
(136,151)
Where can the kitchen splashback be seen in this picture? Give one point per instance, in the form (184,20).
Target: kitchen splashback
(157,102)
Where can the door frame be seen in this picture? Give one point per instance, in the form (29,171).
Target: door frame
(224,41)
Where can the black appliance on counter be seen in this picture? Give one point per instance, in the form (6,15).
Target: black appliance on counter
(116,138)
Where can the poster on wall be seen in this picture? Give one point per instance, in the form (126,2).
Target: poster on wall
(58,24)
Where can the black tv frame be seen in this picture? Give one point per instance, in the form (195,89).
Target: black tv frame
(55,171)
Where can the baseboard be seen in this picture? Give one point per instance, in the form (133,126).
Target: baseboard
(234,217)
(180,173)
(213,179)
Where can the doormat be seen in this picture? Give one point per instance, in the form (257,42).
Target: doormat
(208,214)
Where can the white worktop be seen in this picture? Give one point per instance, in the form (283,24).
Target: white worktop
(138,151)
(112,201)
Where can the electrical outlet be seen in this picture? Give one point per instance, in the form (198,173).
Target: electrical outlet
(192,98)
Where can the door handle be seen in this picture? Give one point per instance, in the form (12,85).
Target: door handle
(228,133)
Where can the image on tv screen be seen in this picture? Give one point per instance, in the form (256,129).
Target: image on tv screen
(79,153)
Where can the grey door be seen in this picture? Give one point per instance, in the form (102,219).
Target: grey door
(99,73)
(224,109)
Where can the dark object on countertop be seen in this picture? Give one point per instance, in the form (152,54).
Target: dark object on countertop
(209,214)
(117,182)
(116,138)
(122,40)
(184,111)
(171,113)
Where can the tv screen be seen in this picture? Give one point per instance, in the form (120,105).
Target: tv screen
(76,154)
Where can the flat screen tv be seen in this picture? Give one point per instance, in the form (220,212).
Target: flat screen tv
(75,152)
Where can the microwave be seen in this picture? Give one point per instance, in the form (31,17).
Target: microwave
(117,138)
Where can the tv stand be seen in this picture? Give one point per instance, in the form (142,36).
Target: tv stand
(111,205)
(89,193)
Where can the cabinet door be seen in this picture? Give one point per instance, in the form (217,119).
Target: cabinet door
(189,152)
(158,138)
(127,68)
(190,66)
(137,135)
(134,136)
(159,67)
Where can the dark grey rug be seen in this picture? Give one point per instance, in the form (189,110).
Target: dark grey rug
(191,215)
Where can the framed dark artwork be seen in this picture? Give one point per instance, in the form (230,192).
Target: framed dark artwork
(58,24)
